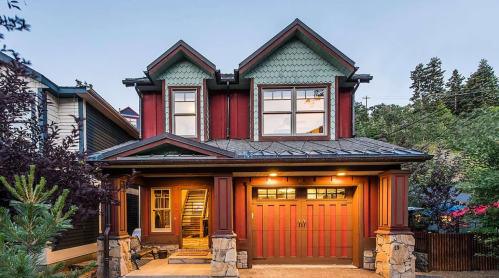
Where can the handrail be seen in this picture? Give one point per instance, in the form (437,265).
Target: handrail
(204,203)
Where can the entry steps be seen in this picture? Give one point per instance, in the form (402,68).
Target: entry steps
(191,257)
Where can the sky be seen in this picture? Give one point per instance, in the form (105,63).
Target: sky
(103,42)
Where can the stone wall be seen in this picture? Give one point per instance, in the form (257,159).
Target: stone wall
(394,258)
(370,259)
(171,248)
(224,257)
(242,259)
(119,257)
(421,261)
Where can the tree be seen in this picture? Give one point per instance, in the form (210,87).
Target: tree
(428,85)
(455,88)
(482,88)
(433,187)
(24,236)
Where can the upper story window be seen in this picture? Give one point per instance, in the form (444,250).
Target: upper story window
(294,111)
(185,113)
(133,121)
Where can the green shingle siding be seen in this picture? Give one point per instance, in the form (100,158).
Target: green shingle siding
(184,73)
(102,133)
(294,63)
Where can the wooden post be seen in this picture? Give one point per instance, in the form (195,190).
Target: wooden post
(118,214)
(223,205)
(393,202)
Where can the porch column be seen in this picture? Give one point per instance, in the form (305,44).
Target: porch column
(119,239)
(394,240)
(224,259)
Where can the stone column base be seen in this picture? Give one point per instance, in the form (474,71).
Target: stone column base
(119,257)
(224,259)
(394,257)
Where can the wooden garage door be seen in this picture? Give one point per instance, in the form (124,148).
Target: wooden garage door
(302,231)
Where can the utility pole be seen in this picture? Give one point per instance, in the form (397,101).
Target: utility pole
(366,98)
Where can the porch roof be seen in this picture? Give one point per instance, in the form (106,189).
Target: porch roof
(353,149)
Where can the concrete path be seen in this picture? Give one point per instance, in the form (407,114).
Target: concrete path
(305,271)
(161,269)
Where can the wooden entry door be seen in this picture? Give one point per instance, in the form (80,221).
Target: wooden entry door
(302,232)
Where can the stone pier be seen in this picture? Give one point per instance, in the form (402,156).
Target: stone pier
(394,257)
(119,257)
(224,257)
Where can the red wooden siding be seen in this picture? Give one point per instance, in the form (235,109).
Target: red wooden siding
(239,114)
(345,113)
(240,209)
(152,114)
(370,206)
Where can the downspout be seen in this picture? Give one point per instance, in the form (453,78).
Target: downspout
(353,106)
(228,111)
(140,109)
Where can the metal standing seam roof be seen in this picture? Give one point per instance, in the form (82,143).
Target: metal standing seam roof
(359,147)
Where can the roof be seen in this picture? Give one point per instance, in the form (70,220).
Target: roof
(354,149)
(128,111)
(296,23)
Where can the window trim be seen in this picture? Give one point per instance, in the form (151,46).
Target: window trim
(297,137)
(151,211)
(171,112)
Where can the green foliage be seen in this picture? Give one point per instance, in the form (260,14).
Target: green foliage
(455,89)
(428,85)
(482,89)
(24,236)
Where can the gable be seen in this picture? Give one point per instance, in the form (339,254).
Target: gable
(294,63)
(129,111)
(184,73)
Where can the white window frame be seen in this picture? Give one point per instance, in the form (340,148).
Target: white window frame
(294,111)
(185,90)
(153,208)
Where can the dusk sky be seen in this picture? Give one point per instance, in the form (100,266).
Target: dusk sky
(103,42)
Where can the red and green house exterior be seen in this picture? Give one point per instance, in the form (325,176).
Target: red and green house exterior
(233,147)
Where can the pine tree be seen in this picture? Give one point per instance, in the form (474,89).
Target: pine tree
(428,85)
(482,88)
(455,88)
(24,236)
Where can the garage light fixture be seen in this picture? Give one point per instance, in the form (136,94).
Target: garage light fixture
(273,174)
(341,174)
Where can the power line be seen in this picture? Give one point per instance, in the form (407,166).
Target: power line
(366,98)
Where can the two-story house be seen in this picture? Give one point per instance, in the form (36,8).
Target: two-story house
(130,115)
(263,161)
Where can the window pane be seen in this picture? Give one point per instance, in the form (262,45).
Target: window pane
(272,191)
(331,190)
(185,107)
(281,193)
(321,190)
(262,191)
(311,196)
(286,94)
(341,194)
(291,196)
(185,125)
(179,96)
(321,195)
(277,124)
(300,94)
(277,95)
(267,95)
(277,105)
(310,123)
(161,219)
(310,104)
(311,190)
(190,96)
(291,191)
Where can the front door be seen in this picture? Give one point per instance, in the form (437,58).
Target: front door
(311,227)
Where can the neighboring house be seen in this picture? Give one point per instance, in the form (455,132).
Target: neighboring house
(103,127)
(265,157)
(130,115)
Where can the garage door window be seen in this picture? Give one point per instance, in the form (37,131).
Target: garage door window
(326,193)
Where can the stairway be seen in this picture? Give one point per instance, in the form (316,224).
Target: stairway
(194,213)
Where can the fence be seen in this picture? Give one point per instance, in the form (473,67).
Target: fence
(453,252)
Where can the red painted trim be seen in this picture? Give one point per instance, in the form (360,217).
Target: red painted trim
(205,109)
(310,230)
(325,137)
(270,230)
(282,231)
(336,109)
(252,110)
(186,51)
(321,231)
(332,228)
(292,225)
(198,108)
(284,36)
(163,110)
(345,114)
(259,231)
(344,226)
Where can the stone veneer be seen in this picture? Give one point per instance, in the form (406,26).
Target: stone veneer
(394,257)
(119,257)
(370,259)
(242,259)
(224,257)
(421,261)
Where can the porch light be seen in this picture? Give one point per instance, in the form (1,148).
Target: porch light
(341,174)
(273,174)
